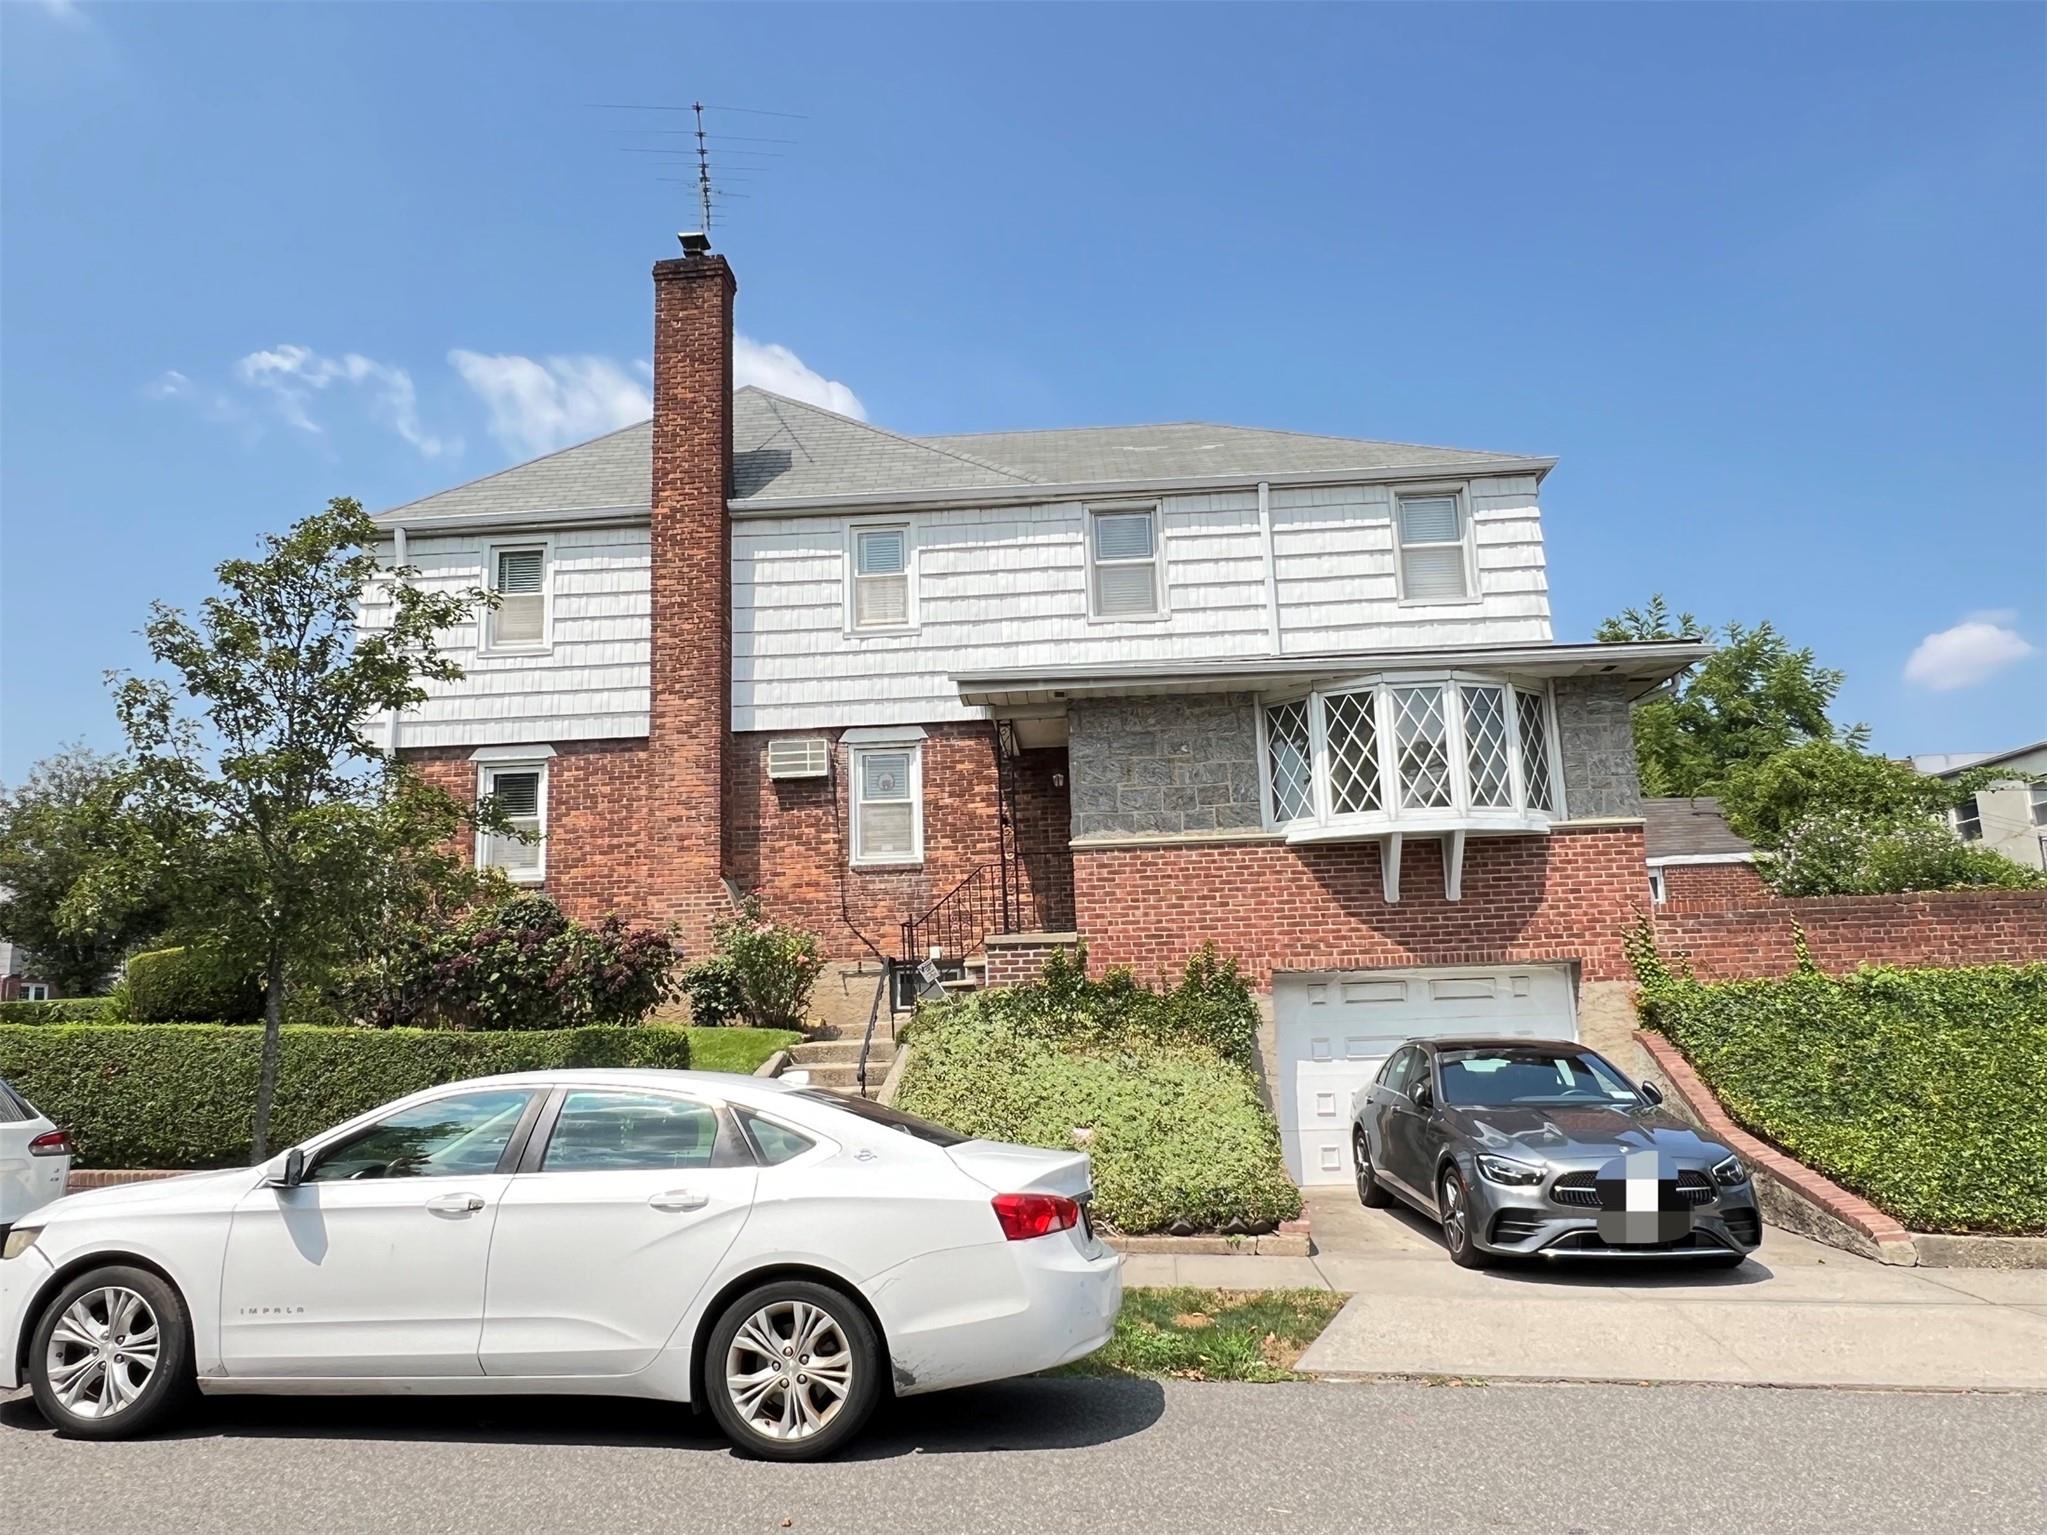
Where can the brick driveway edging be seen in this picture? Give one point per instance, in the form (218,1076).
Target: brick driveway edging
(1798,1199)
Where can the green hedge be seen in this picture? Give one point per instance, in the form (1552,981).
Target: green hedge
(61,1010)
(169,986)
(1179,1132)
(183,1095)
(1920,1090)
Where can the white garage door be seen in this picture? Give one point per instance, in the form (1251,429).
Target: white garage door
(1335,1029)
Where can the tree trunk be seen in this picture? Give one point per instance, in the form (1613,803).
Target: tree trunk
(273,1046)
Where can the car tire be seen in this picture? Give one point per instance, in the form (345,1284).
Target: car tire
(104,1392)
(769,1405)
(1371,1193)
(1453,1207)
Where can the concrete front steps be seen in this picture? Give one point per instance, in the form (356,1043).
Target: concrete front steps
(836,1062)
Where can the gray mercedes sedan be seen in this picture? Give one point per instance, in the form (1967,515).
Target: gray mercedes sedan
(1522,1147)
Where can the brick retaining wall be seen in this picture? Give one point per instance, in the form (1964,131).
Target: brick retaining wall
(1730,940)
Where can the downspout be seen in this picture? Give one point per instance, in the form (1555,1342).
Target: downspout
(1271,567)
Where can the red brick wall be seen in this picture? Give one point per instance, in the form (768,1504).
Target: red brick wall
(1044,825)
(1018,964)
(691,656)
(598,852)
(1727,940)
(1714,882)
(785,840)
(1570,895)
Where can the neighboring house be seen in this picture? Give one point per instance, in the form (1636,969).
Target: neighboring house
(1693,854)
(1146,686)
(2010,818)
(19,977)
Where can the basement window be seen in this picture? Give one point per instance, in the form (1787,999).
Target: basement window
(519,577)
(520,792)
(888,805)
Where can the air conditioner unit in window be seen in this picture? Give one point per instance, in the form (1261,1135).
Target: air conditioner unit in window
(799,757)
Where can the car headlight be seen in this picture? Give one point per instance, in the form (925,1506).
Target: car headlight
(1505,1170)
(1730,1173)
(19,1240)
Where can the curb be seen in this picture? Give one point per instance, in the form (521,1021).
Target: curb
(772,1066)
(1290,1241)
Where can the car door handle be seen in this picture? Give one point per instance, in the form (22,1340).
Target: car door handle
(455,1204)
(679,1199)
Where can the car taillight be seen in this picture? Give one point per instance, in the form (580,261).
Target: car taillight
(1024,1216)
(51,1143)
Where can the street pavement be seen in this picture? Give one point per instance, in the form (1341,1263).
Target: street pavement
(1070,1455)
(1798,1313)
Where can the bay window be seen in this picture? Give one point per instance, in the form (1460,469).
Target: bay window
(1406,753)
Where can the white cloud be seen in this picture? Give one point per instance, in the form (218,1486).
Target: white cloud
(292,375)
(538,406)
(1973,651)
(168,385)
(774,367)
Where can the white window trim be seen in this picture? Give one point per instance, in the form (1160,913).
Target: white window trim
(35,991)
(1657,891)
(487,770)
(487,641)
(2036,803)
(854,778)
(1395,815)
(1461,492)
(1162,609)
(853,627)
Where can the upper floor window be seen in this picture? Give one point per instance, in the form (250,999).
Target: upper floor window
(888,811)
(1124,579)
(1435,547)
(2039,798)
(881,578)
(520,792)
(1383,752)
(518,575)
(1968,819)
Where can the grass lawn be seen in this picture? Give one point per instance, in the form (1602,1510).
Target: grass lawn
(739,1050)
(1211,1334)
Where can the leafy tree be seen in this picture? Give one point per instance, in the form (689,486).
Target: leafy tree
(285,829)
(1839,850)
(68,816)
(1764,800)
(1754,697)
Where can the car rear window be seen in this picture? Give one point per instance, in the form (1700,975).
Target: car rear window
(13,1107)
(881,1114)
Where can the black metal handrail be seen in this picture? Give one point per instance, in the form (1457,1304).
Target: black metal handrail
(959,922)
(882,988)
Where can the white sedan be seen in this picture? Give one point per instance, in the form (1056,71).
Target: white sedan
(780,1254)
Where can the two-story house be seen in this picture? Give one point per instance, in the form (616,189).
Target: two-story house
(1150,686)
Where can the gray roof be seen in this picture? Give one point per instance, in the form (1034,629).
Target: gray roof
(786,450)
(1945,764)
(1689,828)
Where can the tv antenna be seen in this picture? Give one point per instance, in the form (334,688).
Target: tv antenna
(710,187)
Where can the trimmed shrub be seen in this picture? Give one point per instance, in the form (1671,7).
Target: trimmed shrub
(522,964)
(1920,1090)
(57,1010)
(771,968)
(176,986)
(184,1095)
(713,992)
(1178,1134)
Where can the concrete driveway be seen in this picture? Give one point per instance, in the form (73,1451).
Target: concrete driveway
(1796,1314)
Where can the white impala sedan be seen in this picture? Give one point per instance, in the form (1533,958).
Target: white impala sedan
(782,1255)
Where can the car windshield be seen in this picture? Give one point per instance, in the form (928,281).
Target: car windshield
(881,1114)
(1501,1078)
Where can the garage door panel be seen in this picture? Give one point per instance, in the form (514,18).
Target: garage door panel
(1335,1031)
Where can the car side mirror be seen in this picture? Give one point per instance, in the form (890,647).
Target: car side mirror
(289,1172)
(1421,1097)
(1651,1092)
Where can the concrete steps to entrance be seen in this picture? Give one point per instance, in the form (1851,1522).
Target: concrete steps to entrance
(836,1062)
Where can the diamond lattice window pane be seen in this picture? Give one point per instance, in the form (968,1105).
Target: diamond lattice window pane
(1418,730)
(1485,747)
(1286,750)
(1534,722)
(1353,737)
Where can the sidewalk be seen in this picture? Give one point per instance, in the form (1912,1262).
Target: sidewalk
(1796,1314)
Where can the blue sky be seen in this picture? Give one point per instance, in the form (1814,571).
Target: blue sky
(1769,280)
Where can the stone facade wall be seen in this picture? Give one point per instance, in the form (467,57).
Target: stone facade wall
(1164,766)
(1568,896)
(1596,739)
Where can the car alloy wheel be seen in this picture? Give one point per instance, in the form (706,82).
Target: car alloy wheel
(789,1370)
(1453,1205)
(103,1352)
(1370,1194)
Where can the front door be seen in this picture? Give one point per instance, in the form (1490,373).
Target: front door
(375,1264)
(631,1199)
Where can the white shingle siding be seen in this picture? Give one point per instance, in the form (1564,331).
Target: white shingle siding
(590,684)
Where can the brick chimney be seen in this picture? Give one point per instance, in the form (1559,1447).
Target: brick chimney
(691,670)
